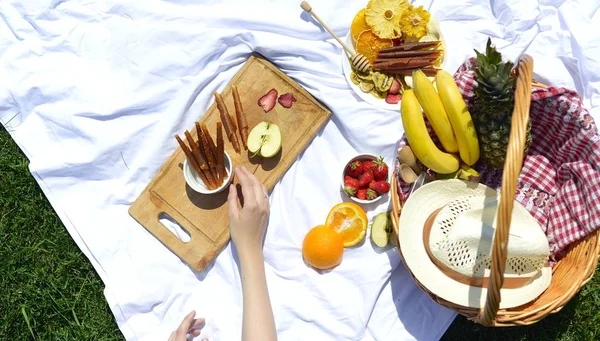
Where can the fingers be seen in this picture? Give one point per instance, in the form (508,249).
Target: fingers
(247,186)
(198,322)
(257,187)
(232,200)
(185,325)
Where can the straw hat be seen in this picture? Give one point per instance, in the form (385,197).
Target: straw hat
(445,234)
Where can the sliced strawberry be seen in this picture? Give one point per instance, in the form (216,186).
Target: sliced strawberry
(267,102)
(394,88)
(286,100)
(393,99)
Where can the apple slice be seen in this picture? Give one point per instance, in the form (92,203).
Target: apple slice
(380,230)
(265,139)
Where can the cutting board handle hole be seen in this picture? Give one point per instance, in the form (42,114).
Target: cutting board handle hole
(173,226)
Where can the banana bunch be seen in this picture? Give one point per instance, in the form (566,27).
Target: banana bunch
(449,117)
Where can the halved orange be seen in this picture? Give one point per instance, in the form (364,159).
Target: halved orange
(350,221)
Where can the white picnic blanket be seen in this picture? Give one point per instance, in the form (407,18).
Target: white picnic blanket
(93,92)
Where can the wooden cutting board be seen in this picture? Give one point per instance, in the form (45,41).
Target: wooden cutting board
(205,217)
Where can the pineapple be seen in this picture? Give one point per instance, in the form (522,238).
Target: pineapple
(493,106)
(383,16)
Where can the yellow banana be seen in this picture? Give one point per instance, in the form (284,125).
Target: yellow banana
(434,110)
(459,116)
(420,141)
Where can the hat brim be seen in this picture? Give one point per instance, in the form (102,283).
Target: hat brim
(415,212)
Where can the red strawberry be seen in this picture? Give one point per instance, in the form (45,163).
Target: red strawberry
(371,194)
(365,179)
(267,102)
(350,185)
(286,100)
(368,165)
(361,194)
(354,169)
(350,181)
(380,187)
(393,99)
(394,88)
(381,169)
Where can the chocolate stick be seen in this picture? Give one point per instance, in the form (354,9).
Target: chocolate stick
(211,142)
(411,46)
(220,152)
(403,63)
(226,119)
(192,160)
(241,116)
(208,154)
(206,168)
(200,158)
(404,54)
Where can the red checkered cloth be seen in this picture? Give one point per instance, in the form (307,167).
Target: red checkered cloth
(559,183)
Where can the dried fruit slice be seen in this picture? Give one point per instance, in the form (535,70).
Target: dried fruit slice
(368,44)
(267,102)
(384,17)
(286,100)
(395,88)
(350,221)
(393,98)
(413,22)
(358,26)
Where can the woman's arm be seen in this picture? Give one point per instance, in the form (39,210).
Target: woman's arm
(247,227)
(258,323)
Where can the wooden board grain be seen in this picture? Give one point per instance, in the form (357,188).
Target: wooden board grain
(204,217)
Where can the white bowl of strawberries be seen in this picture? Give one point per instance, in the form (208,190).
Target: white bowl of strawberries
(365,178)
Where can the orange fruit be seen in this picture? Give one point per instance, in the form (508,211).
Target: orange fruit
(350,221)
(323,248)
(358,26)
(369,45)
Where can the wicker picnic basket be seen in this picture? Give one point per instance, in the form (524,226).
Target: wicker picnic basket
(569,274)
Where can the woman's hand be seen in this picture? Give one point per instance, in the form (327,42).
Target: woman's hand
(189,326)
(247,226)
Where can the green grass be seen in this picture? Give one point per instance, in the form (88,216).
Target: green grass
(49,290)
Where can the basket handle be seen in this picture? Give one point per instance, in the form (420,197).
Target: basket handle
(510,176)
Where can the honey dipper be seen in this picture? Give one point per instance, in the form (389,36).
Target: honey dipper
(359,61)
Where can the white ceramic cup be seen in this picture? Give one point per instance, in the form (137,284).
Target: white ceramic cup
(195,182)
